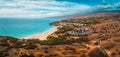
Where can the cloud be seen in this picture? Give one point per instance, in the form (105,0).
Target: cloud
(106,7)
(39,8)
(48,8)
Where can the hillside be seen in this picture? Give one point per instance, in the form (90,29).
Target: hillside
(94,36)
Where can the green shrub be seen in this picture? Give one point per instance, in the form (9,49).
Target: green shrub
(53,41)
(30,46)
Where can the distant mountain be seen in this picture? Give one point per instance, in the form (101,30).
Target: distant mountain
(102,14)
(97,14)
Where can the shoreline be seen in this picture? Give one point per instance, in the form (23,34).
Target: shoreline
(43,35)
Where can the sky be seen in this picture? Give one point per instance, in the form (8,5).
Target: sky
(52,8)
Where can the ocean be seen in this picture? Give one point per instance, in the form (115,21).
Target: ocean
(22,27)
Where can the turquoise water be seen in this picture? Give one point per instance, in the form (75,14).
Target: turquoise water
(24,27)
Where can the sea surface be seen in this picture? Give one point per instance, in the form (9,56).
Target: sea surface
(22,27)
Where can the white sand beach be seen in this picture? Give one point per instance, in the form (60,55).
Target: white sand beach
(42,36)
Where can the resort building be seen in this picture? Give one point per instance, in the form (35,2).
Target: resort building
(78,24)
(82,31)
